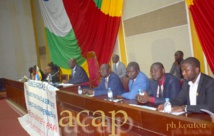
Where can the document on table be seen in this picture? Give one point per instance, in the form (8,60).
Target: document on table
(65,84)
(178,113)
(152,108)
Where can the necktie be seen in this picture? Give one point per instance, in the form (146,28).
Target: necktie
(106,83)
(160,92)
(72,73)
(115,68)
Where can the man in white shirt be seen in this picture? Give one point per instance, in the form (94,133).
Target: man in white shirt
(197,91)
(118,67)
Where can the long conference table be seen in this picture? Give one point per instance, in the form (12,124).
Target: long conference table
(81,115)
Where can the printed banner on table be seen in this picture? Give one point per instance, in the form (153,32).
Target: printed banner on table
(41,119)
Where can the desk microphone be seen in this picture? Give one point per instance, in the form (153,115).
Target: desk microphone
(50,76)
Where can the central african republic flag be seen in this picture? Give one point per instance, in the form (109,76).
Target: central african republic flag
(74,27)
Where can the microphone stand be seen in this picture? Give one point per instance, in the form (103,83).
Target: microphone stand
(50,76)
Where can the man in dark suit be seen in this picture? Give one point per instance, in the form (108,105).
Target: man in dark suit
(163,85)
(118,67)
(79,75)
(197,91)
(109,80)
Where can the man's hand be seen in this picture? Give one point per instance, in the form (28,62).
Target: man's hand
(160,107)
(64,81)
(143,98)
(87,91)
(119,97)
(176,63)
(177,108)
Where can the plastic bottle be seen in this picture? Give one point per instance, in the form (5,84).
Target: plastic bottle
(79,90)
(140,92)
(110,94)
(167,106)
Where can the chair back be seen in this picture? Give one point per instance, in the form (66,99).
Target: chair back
(125,82)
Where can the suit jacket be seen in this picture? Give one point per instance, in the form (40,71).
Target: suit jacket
(121,70)
(80,76)
(171,88)
(141,82)
(205,95)
(114,83)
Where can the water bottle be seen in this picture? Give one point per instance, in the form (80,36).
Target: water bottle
(140,92)
(110,94)
(79,90)
(167,106)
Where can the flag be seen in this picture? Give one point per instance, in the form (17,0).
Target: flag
(75,27)
(38,74)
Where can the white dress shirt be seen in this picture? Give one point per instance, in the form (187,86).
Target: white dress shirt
(193,87)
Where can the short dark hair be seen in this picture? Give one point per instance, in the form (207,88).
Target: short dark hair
(158,64)
(30,69)
(180,52)
(134,65)
(193,61)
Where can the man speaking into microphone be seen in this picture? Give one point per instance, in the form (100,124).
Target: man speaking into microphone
(49,73)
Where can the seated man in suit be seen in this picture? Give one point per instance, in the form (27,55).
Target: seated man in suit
(109,80)
(197,91)
(163,85)
(138,81)
(49,73)
(79,75)
(118,67)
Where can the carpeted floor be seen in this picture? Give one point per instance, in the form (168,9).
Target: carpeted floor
(9,124)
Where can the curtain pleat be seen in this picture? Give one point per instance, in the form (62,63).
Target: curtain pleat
(202,12)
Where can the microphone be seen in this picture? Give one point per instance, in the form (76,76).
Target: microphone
(50,76)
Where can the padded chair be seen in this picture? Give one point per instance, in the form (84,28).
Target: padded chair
(93,68)
(125,82)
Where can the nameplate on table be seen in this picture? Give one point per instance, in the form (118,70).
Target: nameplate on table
(65,84)
(143,106)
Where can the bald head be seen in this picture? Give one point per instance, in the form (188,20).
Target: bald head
(105,70)
(72,63)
